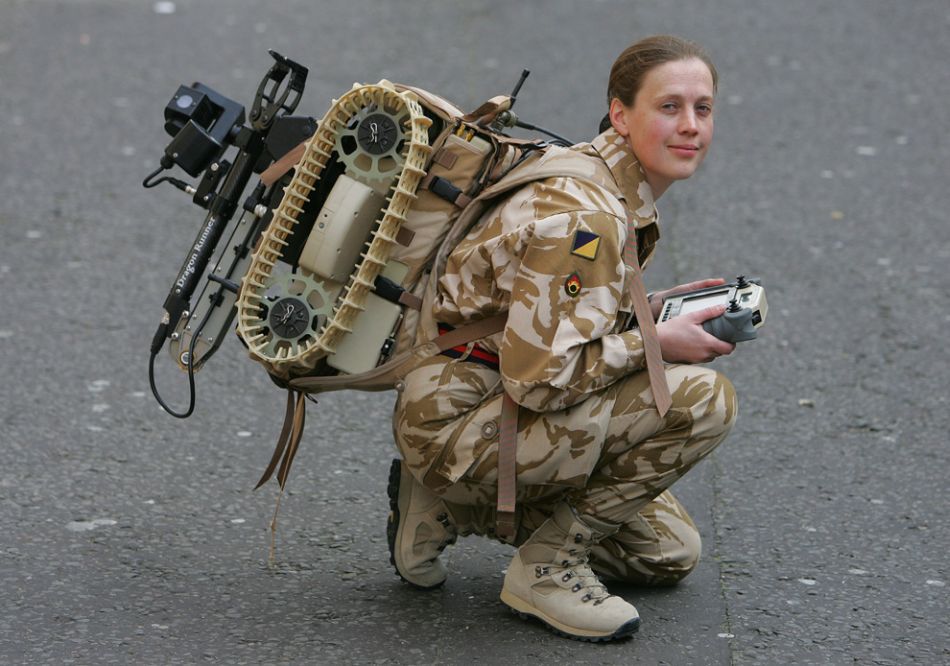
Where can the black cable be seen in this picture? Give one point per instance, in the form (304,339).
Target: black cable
(180,184)
(535,128)
(166,164)
(149,177)
(191,388)
(191,372)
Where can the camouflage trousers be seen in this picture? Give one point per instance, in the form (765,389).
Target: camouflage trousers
(611,456)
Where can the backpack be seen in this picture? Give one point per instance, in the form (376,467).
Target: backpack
(338,291)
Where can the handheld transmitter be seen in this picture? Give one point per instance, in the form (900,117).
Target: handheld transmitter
(740,322)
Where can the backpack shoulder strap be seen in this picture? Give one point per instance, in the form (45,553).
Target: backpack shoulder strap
(553,162)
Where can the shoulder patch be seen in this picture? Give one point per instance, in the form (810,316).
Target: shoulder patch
(586,244)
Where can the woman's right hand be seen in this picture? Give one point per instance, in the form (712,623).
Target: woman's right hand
(683,339)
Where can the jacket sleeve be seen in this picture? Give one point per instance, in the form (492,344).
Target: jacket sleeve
(559,343)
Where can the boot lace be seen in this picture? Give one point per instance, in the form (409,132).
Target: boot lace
(577,569)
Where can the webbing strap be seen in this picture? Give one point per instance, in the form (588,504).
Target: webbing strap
(275,171)
(641,308)
(293,444)
(410,300)
(474,331)
(507,469)
(289,440)
(507,429)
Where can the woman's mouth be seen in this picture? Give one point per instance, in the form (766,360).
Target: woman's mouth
(685,150)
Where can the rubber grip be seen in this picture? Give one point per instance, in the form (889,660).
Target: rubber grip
(732,326)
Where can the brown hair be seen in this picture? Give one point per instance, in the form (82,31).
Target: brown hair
(631,66)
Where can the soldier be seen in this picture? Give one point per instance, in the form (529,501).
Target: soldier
(595,457)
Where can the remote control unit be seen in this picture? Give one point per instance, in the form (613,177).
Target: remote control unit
(746,311)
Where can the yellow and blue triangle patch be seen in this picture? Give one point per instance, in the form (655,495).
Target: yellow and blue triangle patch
(585,244)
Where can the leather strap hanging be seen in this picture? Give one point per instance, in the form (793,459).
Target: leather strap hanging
(289,440)
(641,308)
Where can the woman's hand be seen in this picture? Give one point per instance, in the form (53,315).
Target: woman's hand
(656,301)
(683,339)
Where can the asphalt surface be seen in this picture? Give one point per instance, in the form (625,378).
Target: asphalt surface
(132,537)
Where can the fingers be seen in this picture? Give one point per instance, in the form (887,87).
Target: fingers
(698,284)
(690,286)
(714,346)
(724,348)
(709,282)
(706,314)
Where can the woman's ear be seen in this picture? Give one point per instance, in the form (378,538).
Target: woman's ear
(618,117)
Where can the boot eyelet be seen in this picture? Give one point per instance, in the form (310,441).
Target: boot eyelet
(566,577)
(565,563)
(578,538)
(576,588)
(586,598)
(540,571)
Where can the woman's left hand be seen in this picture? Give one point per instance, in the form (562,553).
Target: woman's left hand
(656,301)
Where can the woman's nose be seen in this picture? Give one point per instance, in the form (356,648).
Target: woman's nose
(688,122)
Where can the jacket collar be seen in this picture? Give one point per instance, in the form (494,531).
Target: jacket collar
(628,175)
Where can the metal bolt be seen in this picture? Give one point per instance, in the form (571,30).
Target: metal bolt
(184,358)
(174,336)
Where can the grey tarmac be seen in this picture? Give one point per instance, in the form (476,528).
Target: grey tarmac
(132,537)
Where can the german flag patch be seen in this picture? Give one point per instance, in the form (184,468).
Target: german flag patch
(586,244)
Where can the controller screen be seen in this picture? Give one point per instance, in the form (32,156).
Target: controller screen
(701,301)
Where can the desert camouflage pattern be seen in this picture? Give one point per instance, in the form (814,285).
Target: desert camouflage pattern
(588,429)
(557,348)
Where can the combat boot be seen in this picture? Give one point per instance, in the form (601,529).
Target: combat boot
(549,578)
(418,529)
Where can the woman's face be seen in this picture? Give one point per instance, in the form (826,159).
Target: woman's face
(670,125)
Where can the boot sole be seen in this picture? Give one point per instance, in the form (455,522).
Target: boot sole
(392,524)
(525,611)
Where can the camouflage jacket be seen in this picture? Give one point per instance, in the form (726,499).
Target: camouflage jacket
(552,256)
